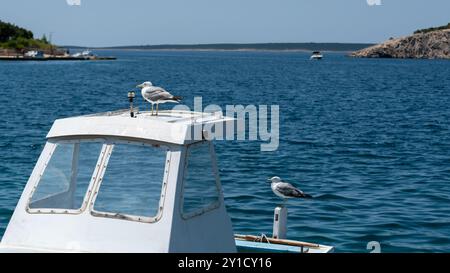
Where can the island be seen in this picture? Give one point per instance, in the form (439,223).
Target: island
(430,43)
(19,44)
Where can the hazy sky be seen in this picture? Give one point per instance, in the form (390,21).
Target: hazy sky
(129,22)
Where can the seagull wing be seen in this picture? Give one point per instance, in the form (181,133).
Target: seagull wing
(158,94)
(290,191)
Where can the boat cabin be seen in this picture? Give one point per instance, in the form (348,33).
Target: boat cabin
(115,183)
(133,182)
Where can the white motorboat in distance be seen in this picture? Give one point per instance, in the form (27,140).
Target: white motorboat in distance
(316,55)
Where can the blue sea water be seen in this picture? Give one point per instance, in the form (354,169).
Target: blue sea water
(368,138)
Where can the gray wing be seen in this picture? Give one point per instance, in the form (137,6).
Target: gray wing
(158,93)
(289,190)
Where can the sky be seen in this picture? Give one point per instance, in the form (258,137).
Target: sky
(144,22)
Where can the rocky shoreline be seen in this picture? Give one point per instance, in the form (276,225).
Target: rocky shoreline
(429,45)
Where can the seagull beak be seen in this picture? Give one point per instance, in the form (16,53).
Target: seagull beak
(269,180)
(140,86)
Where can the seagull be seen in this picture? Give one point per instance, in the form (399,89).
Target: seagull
(156,95)
(286,190)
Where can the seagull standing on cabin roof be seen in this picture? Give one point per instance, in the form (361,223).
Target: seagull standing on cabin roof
(156,95)
(286,190)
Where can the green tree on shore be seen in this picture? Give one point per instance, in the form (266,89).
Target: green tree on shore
(12,32)
(14,37)
(44,39)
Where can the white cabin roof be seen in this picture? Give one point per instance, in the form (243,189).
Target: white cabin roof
(171,126)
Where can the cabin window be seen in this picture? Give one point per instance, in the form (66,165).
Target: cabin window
(200,190)
(66,178)
(132,182)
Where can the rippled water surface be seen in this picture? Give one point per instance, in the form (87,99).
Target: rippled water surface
(368,138)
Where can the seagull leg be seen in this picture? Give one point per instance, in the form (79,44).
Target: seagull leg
(157,106)
(152,109)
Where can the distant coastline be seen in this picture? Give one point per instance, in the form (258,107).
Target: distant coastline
(338,47)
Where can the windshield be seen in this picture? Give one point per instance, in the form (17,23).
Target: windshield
(66,178)
(125,177)
(132,182)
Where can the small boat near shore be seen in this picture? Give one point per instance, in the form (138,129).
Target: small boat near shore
(38,55)
(84,54)
(56,58)
(34,54)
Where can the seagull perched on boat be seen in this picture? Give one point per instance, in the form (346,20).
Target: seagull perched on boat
(156,95)
(286,190)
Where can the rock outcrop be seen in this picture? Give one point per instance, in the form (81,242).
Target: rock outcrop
(429,45)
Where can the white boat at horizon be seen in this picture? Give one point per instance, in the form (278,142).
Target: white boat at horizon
(316,55)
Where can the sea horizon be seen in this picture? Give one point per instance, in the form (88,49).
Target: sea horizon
(300,47)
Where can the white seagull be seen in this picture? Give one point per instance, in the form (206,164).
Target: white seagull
(286,190)
(156,95)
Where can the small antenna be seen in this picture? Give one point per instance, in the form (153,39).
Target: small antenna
(131,96)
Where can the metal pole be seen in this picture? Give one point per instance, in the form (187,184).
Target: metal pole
(131,96)
(280,223)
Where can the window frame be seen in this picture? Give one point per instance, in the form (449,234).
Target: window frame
(213,205)
(97,187)
(53,146)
